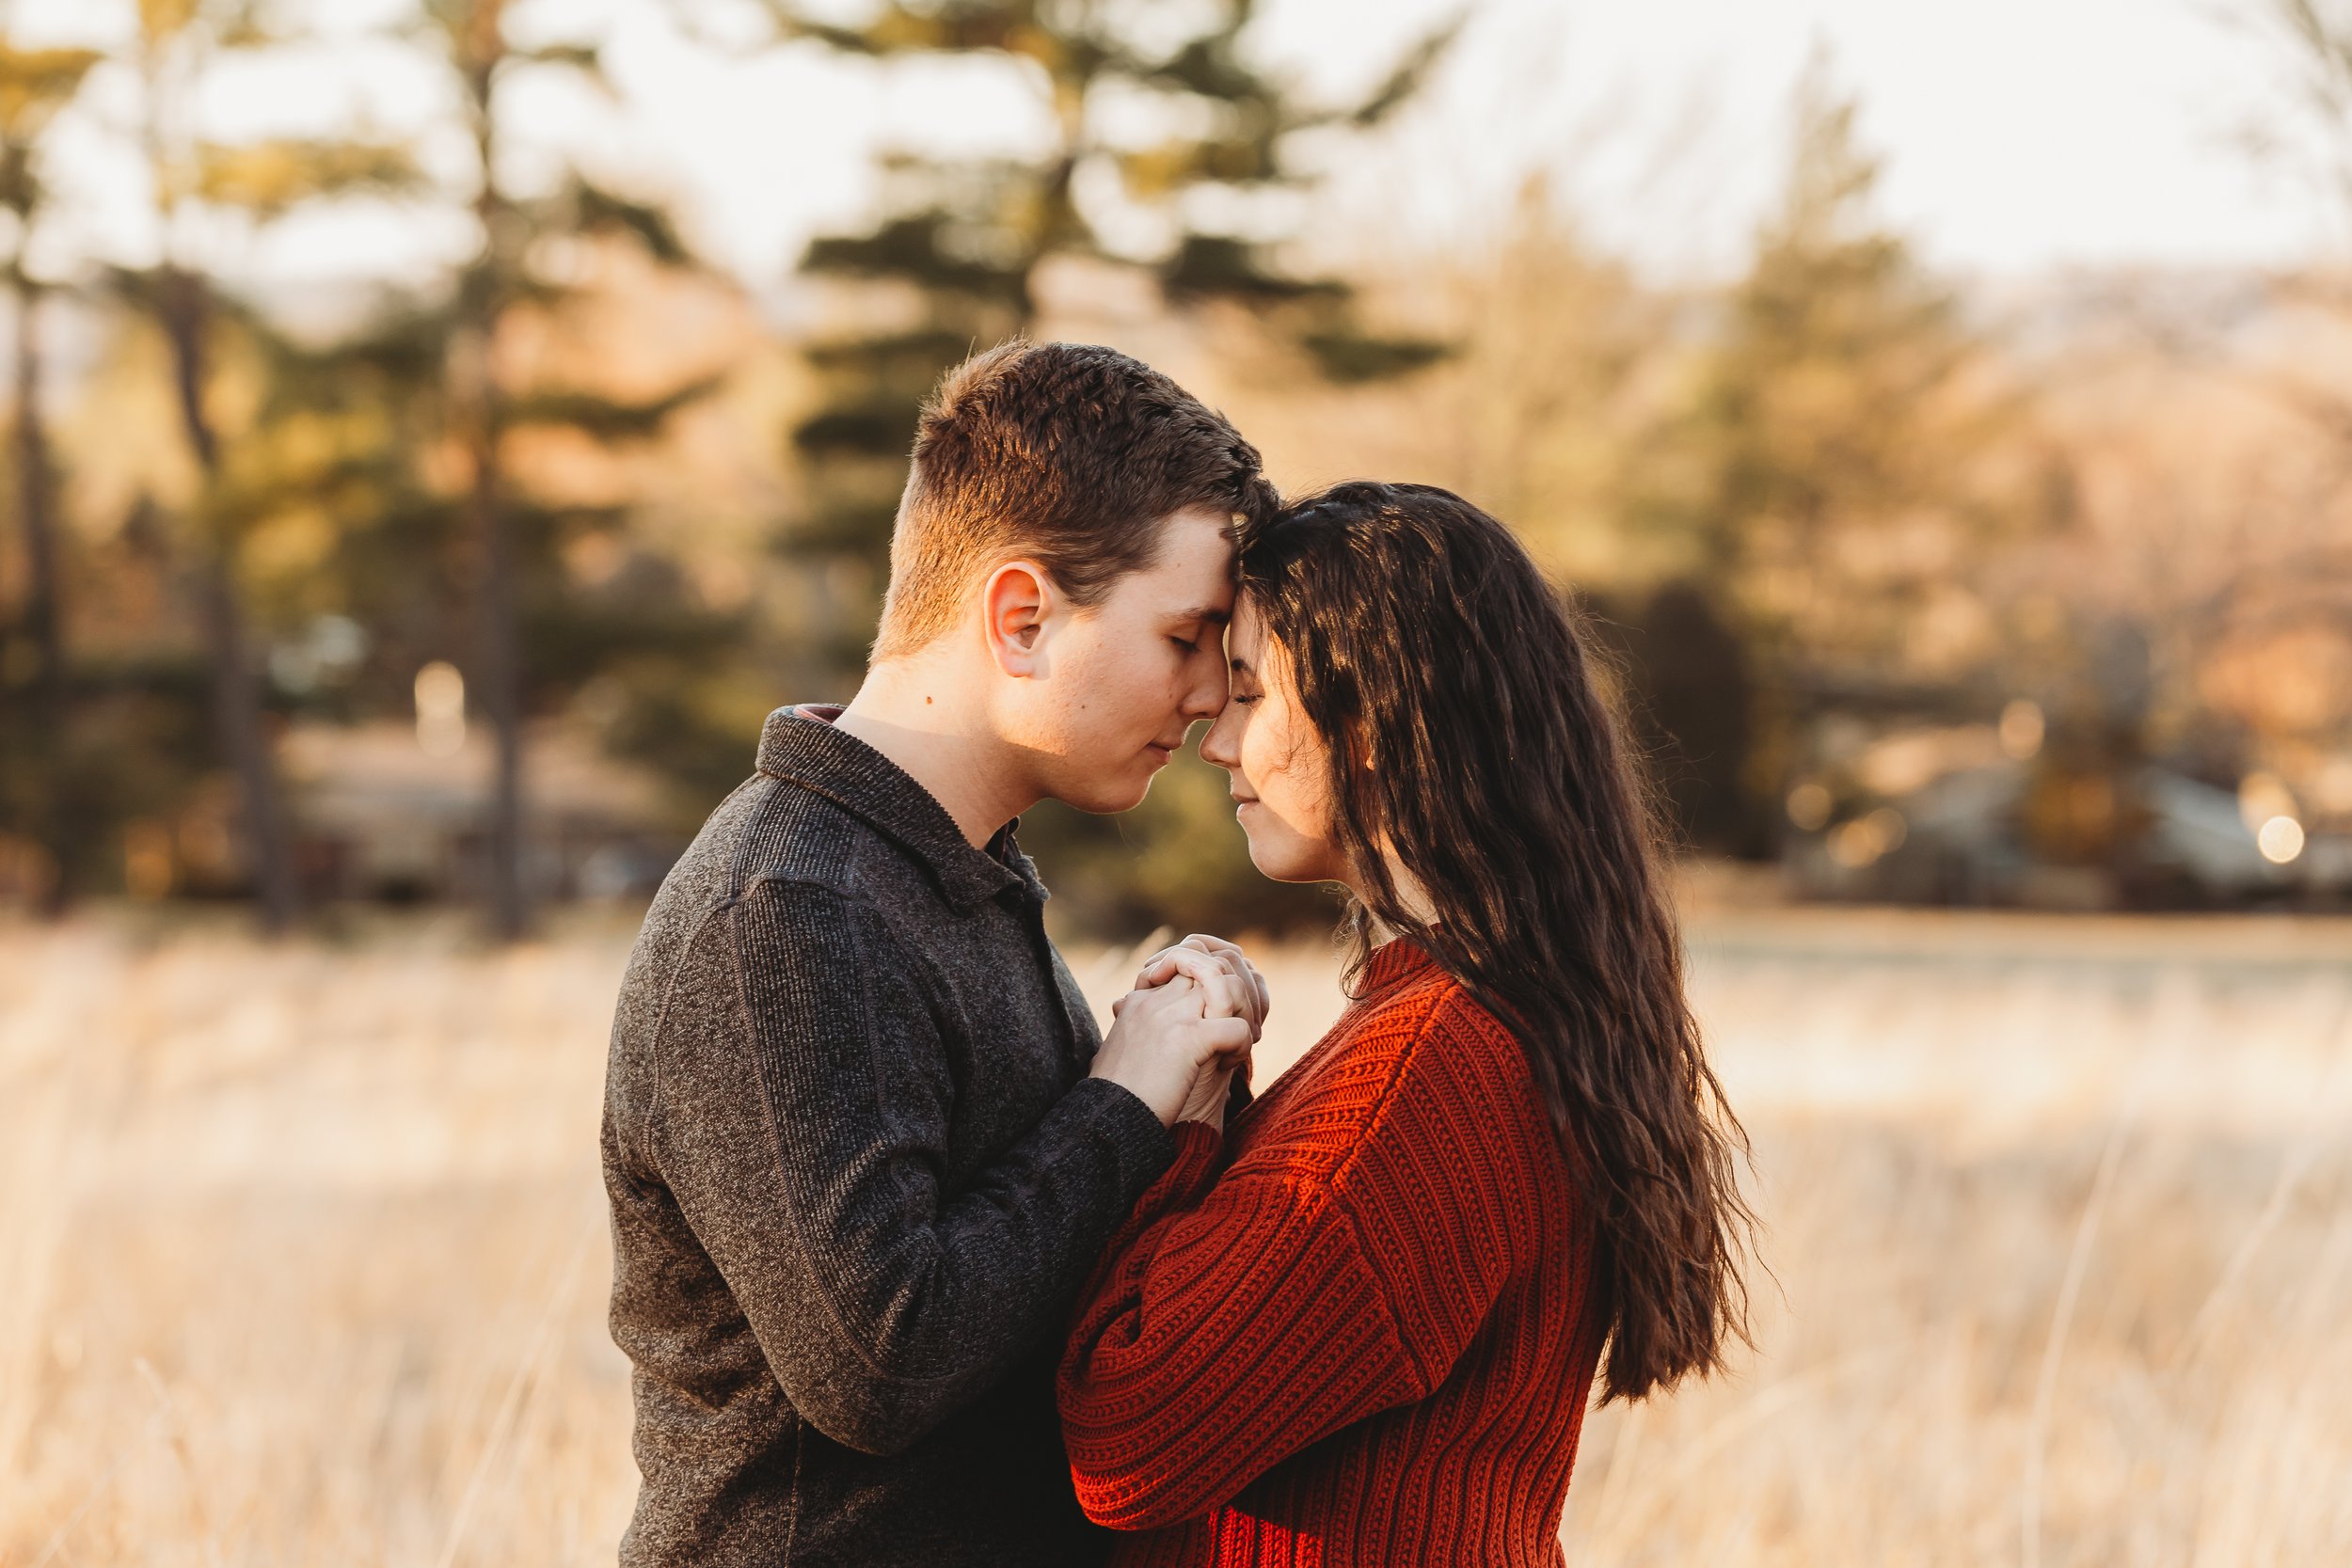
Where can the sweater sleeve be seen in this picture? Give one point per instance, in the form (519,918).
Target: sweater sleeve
(883,1301)
(1234,1324)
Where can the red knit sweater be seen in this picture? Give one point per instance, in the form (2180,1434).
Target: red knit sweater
(1370,1338)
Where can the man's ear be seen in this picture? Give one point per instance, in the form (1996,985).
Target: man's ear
(1015,601)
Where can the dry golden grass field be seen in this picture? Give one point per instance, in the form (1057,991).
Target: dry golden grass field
(303,1253)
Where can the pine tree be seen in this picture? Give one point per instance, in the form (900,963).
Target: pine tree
(1846,502)
(1846,431)
(515,538)
(968,241)
(200,187)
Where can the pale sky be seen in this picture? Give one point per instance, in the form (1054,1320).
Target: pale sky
(2018,135)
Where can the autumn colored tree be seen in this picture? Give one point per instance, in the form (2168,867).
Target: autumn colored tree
(207,197)
(1850,443)
(36,84)
(1828,408)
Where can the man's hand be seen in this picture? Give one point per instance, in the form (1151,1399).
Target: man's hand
(1217,966)
(1163,1042)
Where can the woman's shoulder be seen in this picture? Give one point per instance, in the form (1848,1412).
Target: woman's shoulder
(1458,1072)
(1425,1129)
(1418,1067)
(1435,1032)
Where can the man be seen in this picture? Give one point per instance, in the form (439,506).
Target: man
(862,1140)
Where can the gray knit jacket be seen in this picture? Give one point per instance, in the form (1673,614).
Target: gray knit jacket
(858,1175)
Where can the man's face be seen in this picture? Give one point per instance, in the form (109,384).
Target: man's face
(1126,679)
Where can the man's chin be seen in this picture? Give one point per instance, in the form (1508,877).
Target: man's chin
(1108,798)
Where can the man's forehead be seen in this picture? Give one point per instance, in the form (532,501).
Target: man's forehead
(1198,535)
(1192,573)
(1199,574)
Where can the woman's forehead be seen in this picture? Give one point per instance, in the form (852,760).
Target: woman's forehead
(1247,627)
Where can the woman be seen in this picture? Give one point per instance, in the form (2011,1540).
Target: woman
(1360,1325)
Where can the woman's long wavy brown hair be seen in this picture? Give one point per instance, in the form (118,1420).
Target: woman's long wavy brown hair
(1469,738)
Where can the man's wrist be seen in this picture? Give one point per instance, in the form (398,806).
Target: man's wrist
(1127,1120)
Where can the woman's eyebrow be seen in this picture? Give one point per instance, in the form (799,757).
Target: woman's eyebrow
(1241,667)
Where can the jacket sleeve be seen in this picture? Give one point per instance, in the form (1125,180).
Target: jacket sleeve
(1237,1321)
(804,1108)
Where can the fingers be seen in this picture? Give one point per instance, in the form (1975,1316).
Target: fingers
(1223,994)
(1256,982)
(1205,1033)
(1248,985)
(1178,993)
(1163,963)
(1205,1101)
(1242,968)
(1229,1037)
(1160,965)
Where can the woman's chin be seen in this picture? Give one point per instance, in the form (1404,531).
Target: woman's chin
(1272,864)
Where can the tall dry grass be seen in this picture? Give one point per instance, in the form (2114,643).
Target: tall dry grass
(302,1251)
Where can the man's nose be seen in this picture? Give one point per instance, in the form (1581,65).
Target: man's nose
(1207,699)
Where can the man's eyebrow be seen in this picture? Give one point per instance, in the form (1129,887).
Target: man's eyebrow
(1210,613)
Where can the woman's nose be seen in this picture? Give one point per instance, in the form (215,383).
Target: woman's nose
(1218,745)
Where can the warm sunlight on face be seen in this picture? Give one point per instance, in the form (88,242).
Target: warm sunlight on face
(1277,761)
(1125,679)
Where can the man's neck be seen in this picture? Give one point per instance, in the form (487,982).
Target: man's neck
(917,719)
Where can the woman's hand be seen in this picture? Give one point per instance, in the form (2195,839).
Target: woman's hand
(1212,1092)
(1229,989)
(1236,987)
(1163,1042)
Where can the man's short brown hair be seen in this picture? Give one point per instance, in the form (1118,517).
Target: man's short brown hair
(1070,454)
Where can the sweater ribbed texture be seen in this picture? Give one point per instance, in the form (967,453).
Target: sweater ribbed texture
(1357,1329)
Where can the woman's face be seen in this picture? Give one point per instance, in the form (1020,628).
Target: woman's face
(1279,764)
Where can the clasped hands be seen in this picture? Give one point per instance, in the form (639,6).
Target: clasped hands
(1179,1037)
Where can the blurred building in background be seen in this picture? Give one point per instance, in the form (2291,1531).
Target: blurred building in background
(378,817)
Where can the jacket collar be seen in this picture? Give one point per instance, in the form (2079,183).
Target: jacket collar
(800,745)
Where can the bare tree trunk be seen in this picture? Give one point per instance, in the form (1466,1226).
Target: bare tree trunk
(237,712)
(497,591)
(44,613)
(500,677)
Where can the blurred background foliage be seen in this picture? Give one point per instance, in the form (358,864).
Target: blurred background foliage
(475,587)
